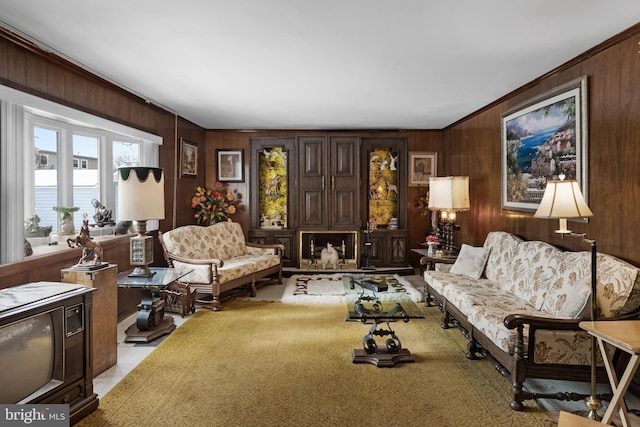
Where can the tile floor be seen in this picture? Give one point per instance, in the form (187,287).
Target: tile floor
(129,355)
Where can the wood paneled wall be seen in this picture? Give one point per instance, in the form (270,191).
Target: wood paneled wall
(417,141)
(473,147)
(27,68)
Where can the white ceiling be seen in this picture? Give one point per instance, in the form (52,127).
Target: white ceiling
(320,64)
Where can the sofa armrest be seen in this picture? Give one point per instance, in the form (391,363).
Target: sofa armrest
(277,247)
(213,261)
(512,321)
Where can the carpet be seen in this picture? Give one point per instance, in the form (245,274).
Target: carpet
(329,289)
(274,364)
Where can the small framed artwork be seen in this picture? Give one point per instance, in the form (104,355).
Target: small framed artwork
(422,166)
(230,165)
(541,139)
(188,158)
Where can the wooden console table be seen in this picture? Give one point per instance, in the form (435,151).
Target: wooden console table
(624,335)
(105,312)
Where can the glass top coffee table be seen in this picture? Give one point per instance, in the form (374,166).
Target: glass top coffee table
(151,321)
(380,300)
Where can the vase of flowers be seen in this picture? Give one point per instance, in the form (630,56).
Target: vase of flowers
(432,242)
(213,204)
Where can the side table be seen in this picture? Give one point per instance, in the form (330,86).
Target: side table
(105,312)
(624,335)
(428,262)
(151,322)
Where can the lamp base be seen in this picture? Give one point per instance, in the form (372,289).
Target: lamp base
(142,271)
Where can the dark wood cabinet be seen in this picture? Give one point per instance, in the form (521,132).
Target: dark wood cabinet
(286,237)
(388,248)
(328,188)
(328,183)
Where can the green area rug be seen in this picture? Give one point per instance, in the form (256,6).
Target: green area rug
(273,364)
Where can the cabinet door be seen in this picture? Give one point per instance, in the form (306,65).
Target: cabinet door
(313,182)
(343,183)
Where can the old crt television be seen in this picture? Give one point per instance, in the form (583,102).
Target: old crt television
(45,345)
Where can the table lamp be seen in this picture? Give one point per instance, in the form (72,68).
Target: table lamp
(563,200)
(140,198)
(448,195)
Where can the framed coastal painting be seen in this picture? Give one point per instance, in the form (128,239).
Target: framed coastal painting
(542,139)
(188,158)
(422,166)
(229,165)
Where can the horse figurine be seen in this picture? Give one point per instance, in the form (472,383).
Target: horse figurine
(85,241)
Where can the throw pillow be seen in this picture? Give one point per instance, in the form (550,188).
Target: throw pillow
(578,302)
(470,261)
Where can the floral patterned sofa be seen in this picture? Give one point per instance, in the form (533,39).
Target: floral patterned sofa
(220,258)
(520,302)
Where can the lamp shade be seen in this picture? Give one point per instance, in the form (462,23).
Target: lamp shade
(449,193)
(563,199)
(140,193)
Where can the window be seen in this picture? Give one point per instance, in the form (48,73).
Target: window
(52,155)
(43,161)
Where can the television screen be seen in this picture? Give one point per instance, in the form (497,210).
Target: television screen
(27,355)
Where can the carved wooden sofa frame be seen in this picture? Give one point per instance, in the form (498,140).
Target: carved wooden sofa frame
(535,343)
(221,259)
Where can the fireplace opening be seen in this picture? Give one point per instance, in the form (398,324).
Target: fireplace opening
(313,242)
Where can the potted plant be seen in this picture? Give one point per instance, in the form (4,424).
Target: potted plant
(65,219)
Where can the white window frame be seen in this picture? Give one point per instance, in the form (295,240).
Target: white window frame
(18,113)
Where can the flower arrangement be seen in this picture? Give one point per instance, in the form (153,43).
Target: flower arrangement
(431,239)
(213,204)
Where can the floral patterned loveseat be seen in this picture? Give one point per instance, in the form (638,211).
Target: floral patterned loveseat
(220,258)
(520,302)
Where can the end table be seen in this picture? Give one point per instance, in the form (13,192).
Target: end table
(151,322)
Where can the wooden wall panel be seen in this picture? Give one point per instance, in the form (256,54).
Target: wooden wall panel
(473,147)
(419,140)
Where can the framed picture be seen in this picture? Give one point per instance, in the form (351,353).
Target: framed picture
(230,165)
(188,158)
(422,166)
(542,139)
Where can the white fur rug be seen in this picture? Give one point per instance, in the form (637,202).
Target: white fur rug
(326,289)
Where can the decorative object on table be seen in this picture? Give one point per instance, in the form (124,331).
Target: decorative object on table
(123,227)
(188,158)
(542,138)
(230,165)
(563,200)
(89,248)
(65,219)
(102,215)
(213,205)
(422,166)
(33,229)
(432,243)
(141,198)
(448,195)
